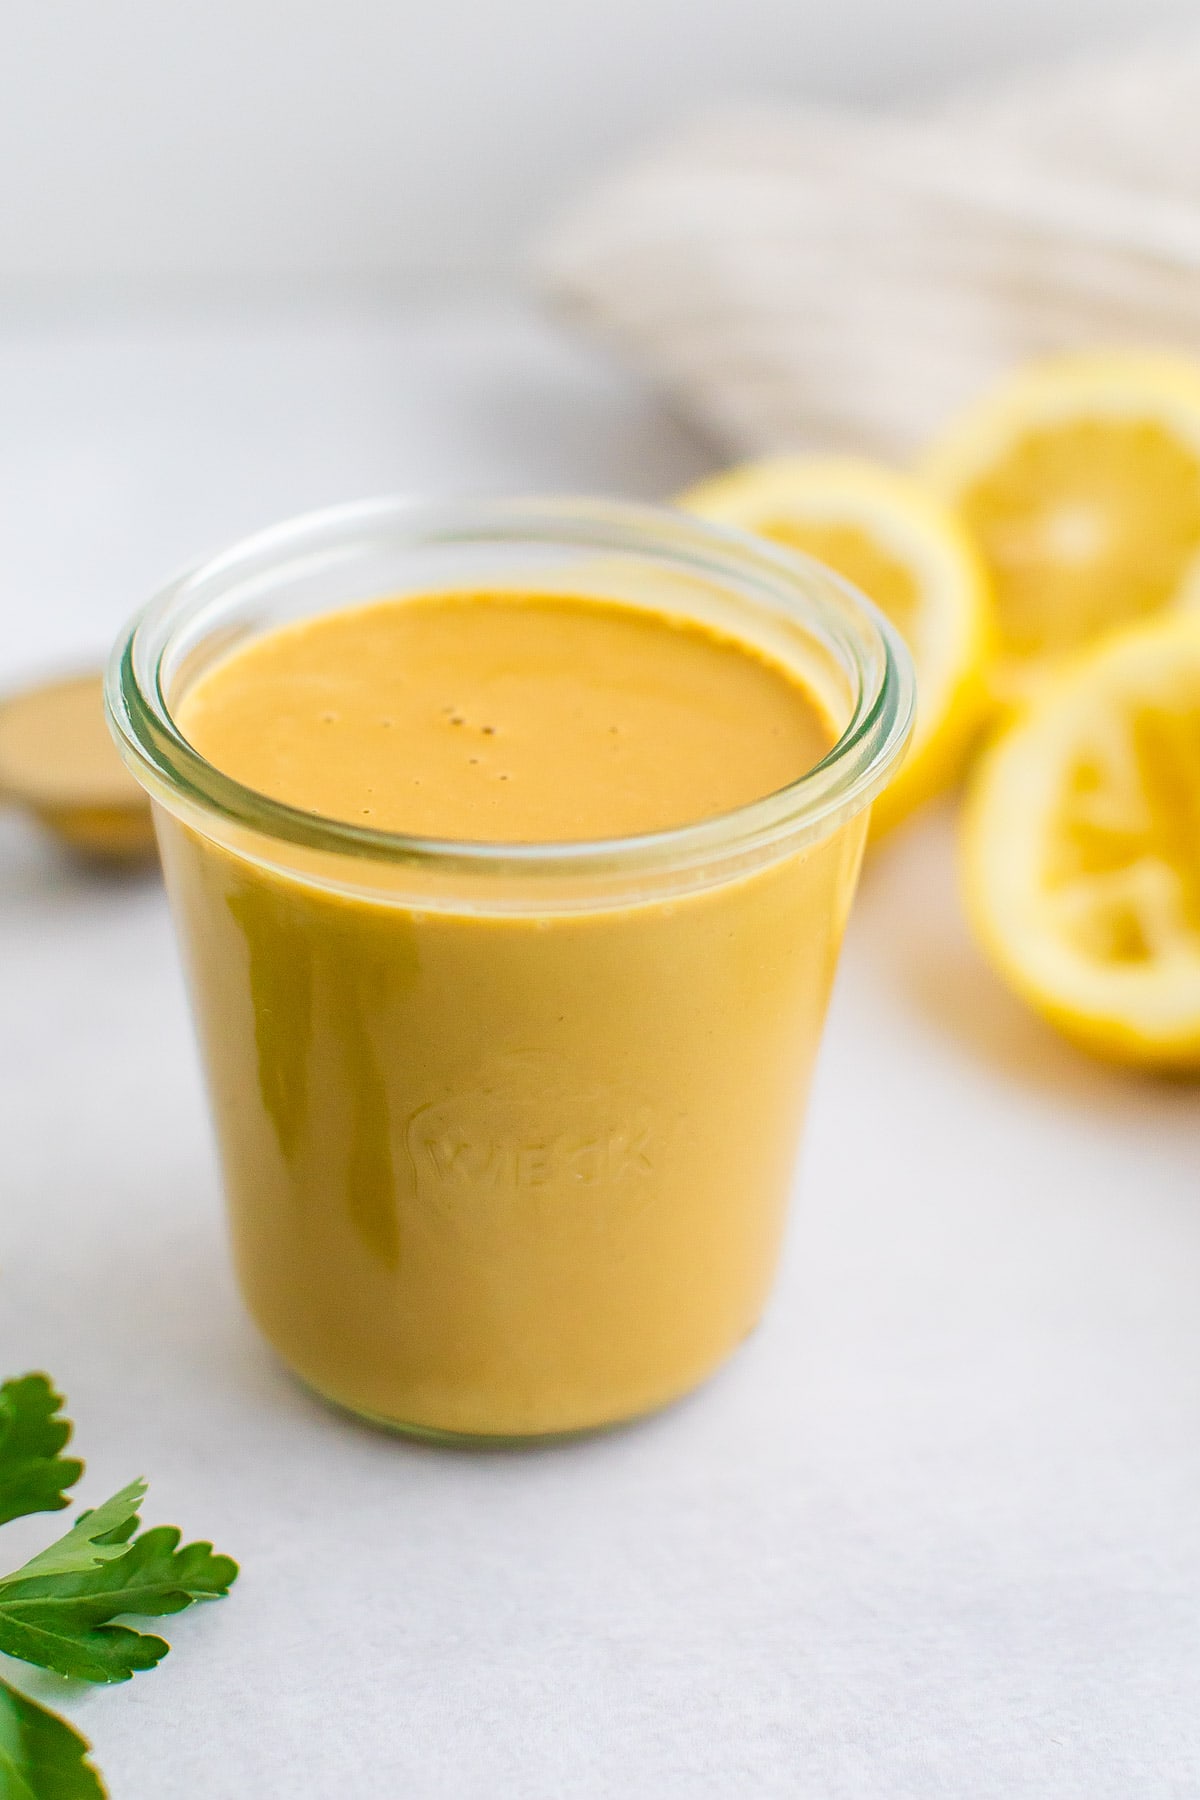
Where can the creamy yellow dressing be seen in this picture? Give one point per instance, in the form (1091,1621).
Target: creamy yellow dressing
(489,1173)
(488,717)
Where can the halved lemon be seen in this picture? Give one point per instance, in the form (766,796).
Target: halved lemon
(1082,847)
(1080,481)
(907,553)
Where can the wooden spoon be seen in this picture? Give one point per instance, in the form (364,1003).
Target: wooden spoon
(58,762)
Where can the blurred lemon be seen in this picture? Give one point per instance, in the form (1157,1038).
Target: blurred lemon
(1082,847)
(907,553)
(1080,481)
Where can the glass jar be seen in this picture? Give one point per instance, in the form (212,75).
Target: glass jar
(508,1130)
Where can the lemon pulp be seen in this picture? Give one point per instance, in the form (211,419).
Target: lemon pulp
(1085,525)
(905,550)
(1082,848)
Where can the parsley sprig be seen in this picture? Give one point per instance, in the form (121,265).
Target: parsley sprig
(34,1473)
(59,1610)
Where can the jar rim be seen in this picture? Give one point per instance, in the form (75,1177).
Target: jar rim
(844,781)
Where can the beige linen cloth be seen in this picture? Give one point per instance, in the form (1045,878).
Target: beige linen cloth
(804,277)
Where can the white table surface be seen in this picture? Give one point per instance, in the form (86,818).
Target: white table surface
(933,1532)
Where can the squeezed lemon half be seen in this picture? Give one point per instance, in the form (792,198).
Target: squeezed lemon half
(1080,481)
(906,551)
(1081,848)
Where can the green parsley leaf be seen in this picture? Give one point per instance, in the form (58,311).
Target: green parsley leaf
(96,1536)
(41,1756)
(33,1475)
(58,1609)
(63,1621)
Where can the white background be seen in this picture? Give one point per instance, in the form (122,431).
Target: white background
(931,1535)
(153,139)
